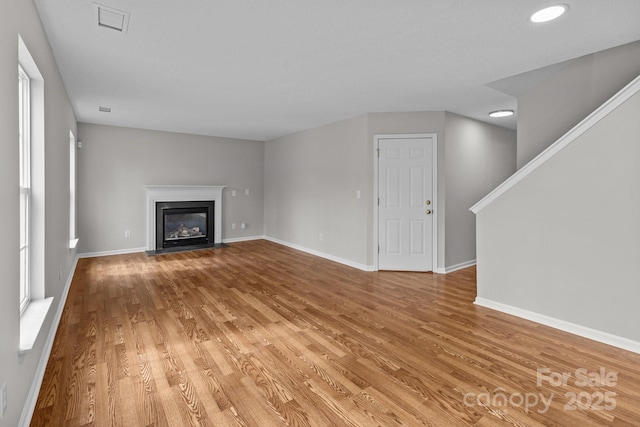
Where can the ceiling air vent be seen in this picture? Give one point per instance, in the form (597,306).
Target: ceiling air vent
(110,18)
(104,109)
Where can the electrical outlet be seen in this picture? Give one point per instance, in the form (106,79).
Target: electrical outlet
(246,192)
(243,225)
(127,233)
(3,400)
(233,193)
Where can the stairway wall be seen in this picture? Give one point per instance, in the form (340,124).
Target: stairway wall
(564,242)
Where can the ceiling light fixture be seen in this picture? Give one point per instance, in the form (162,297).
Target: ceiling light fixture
(548,13)
(501,113)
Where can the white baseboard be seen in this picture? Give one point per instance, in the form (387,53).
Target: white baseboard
(572,328)
(135,250)
(242,239)
(452,268)
(330,257)
(34,390)
(114,252)
(460,266)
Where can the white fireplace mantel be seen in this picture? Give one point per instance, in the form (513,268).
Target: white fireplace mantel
(182,193)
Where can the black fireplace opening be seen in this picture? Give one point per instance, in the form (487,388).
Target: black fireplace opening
(184,225)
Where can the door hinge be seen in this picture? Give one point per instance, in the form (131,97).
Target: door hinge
(378,150)
(378,249)
(378,201)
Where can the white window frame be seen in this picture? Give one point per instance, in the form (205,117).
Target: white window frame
(34,309)
(24,84)
(73,239)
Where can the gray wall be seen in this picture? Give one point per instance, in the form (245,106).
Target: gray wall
(59,120)
(115,163)
(403,123)
(311,178)
(479,157)
(563,242)
(562,101)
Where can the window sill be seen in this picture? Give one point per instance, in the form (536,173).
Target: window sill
(73,243)
(31,322)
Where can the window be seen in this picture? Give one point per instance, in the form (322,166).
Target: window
(73,241)
(24,117)
(34,304)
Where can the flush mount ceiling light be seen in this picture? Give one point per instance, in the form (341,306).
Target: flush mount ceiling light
(501,113)
(548,13)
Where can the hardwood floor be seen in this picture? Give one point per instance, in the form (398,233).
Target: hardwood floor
(258,334)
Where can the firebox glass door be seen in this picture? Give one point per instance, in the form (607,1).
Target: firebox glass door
(185,225)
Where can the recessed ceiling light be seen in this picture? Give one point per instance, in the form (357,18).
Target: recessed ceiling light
(501,113)
(549,13)
(104,109)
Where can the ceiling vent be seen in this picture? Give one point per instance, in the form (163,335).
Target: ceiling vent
(110,18)
(104,109)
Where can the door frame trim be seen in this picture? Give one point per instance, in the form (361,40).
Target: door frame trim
(376,191)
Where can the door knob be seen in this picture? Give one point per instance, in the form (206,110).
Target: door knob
(428,211)
(428,202)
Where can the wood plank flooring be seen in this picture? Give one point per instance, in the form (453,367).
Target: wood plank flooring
(258,334)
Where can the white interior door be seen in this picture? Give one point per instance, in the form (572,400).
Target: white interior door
(405,209)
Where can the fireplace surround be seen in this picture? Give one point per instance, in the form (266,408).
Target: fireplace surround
(183,217)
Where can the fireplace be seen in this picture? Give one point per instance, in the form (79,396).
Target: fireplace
(185,225)
(183,217)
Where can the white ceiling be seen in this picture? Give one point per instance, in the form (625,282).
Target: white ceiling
(259,69)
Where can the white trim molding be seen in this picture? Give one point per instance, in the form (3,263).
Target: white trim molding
(459,266)
(455,267)
(572,328)
(330,257)
(136,250)
(242,239)
(182,193)
(73,243)
(108,253)
(31,322)
(565,140)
